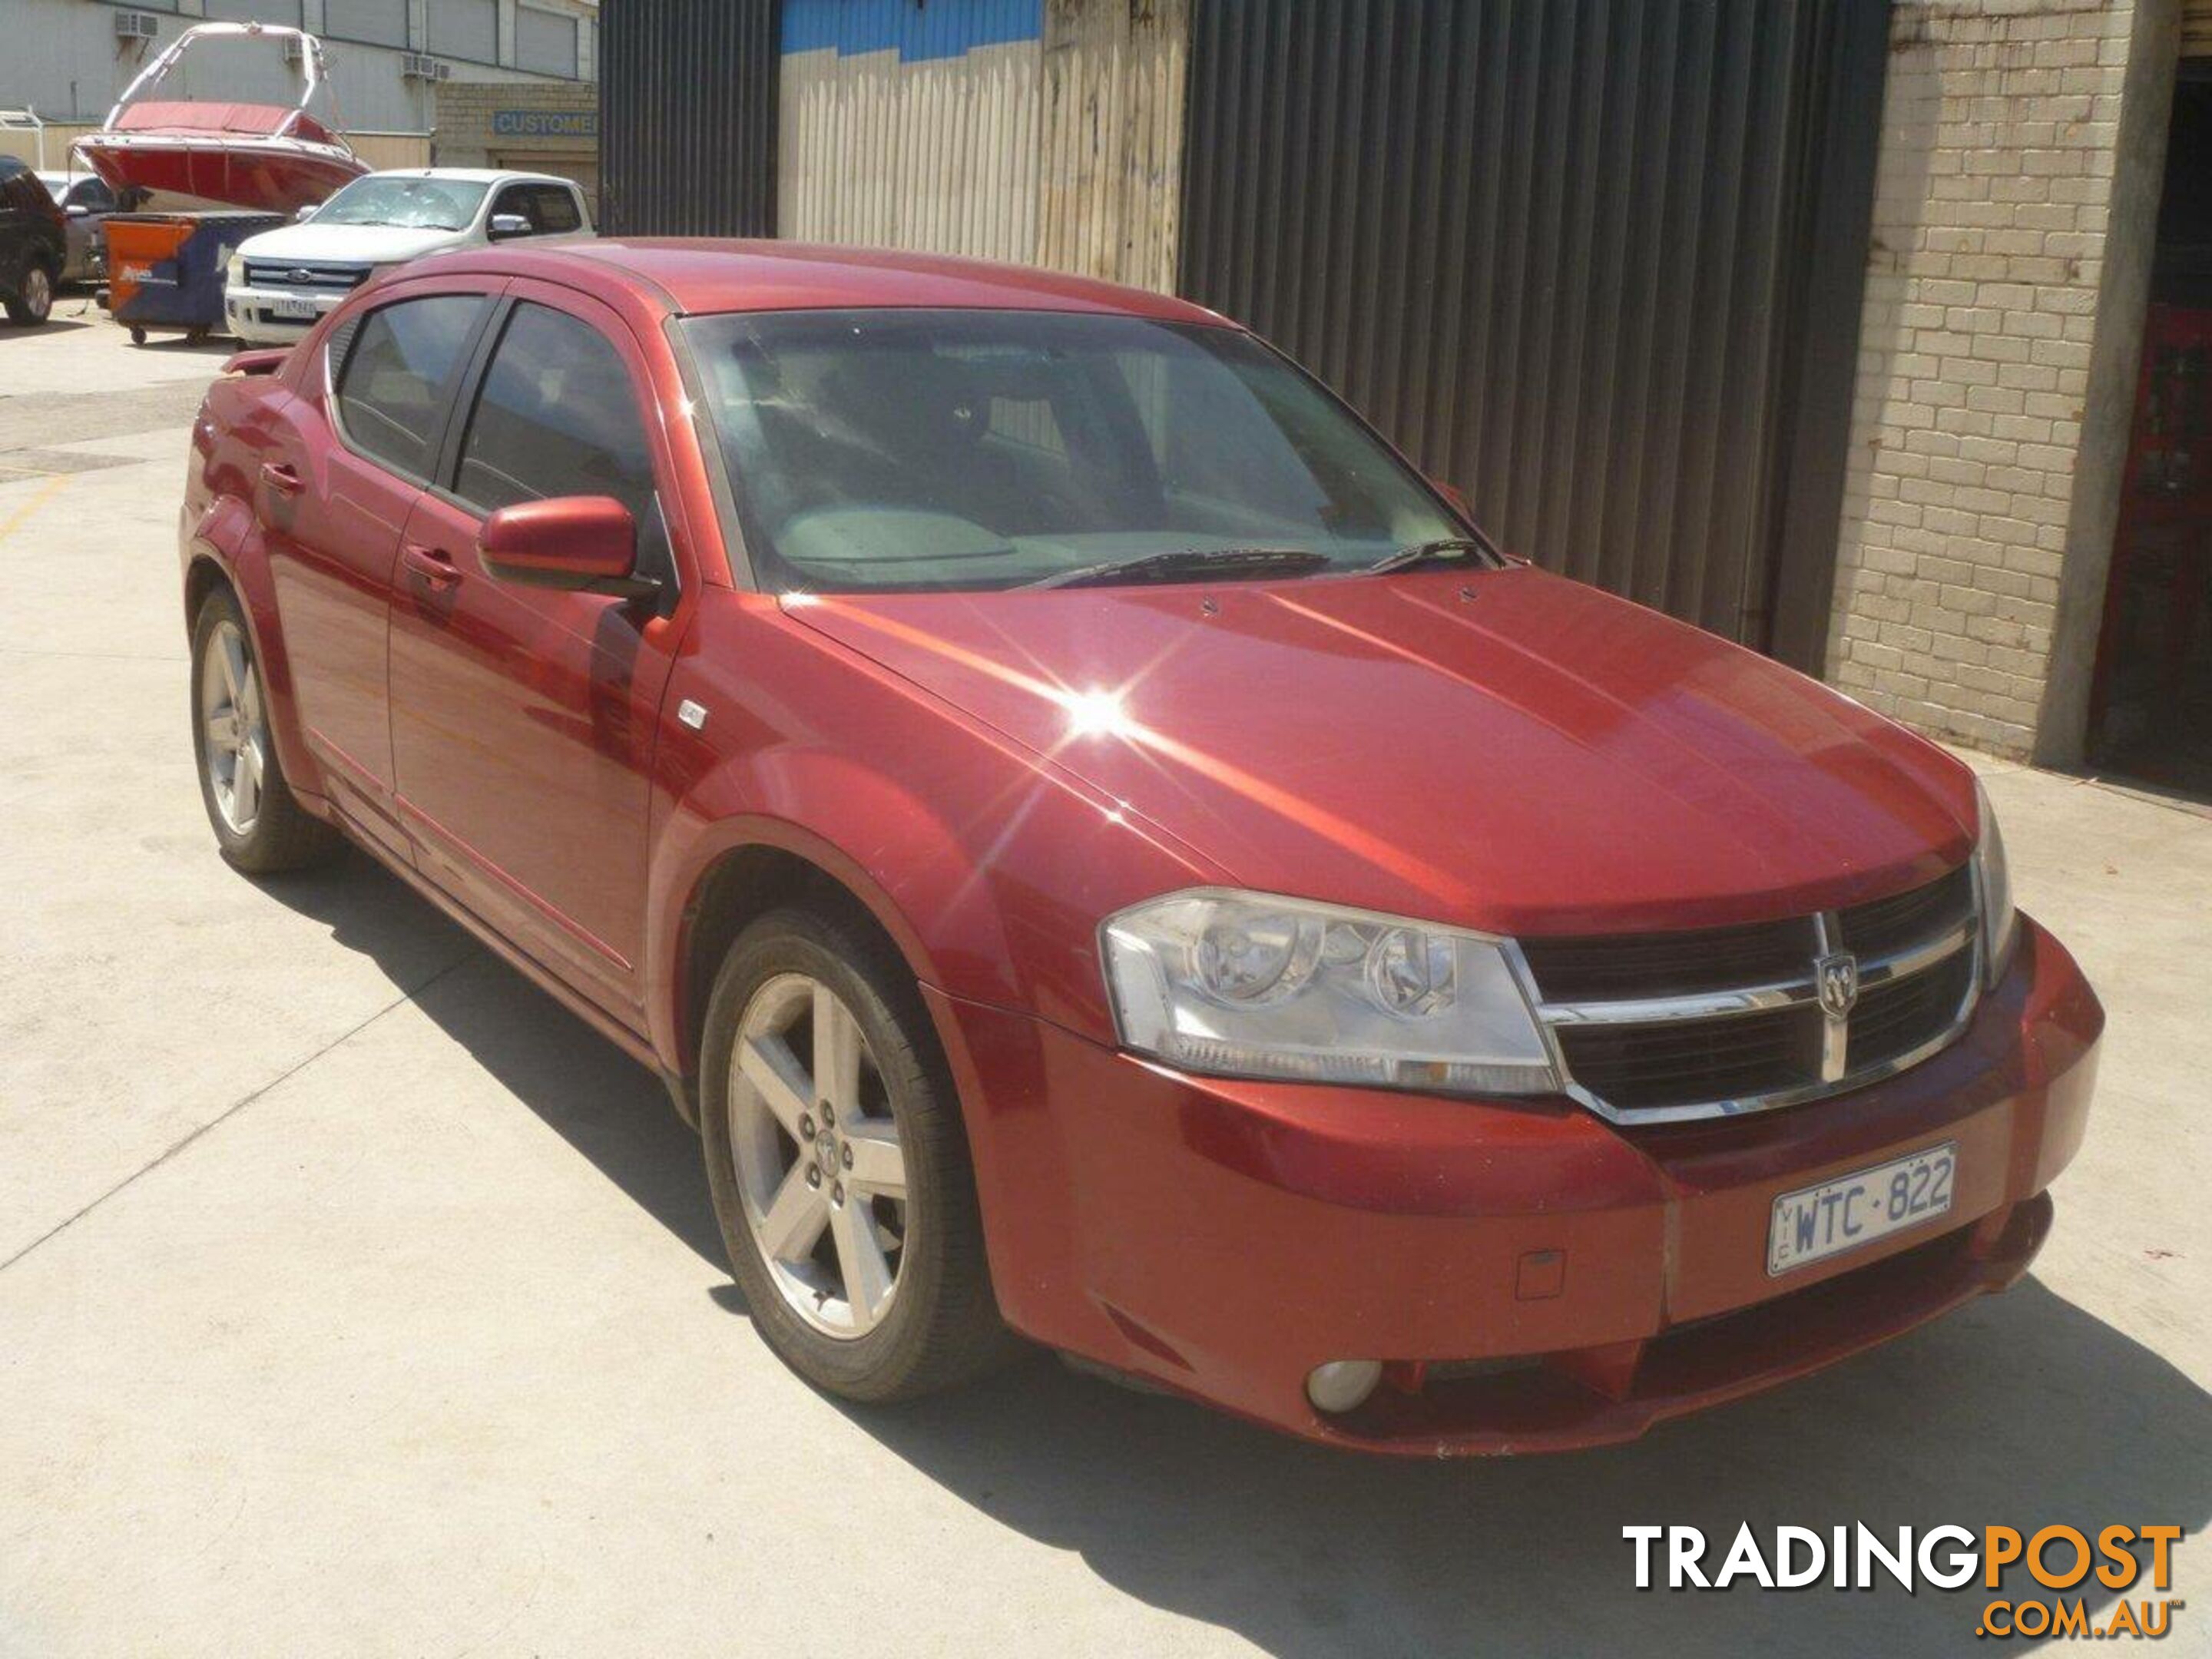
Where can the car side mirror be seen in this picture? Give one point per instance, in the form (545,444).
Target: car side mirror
(1456,496)
(504,225)
(582,544)
(306,213)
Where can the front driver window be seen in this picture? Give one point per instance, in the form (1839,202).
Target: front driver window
(557,416)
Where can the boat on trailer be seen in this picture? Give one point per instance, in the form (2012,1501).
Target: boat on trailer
(251,155)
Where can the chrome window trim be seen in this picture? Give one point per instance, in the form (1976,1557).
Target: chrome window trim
(1824,931)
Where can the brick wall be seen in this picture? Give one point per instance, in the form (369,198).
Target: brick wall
(2000,143)
(464,117)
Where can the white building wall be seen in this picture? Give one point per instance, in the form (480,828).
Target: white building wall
(63,58)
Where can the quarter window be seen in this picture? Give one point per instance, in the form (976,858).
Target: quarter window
(398,378)
(556,416)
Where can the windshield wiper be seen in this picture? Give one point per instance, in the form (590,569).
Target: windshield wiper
(1234,562)
(1445,550)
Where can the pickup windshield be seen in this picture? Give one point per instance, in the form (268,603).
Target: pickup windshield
(415,204)
(884,451)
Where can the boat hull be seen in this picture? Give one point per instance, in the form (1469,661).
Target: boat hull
(276,175)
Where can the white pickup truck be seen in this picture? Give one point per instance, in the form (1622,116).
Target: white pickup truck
(279,283)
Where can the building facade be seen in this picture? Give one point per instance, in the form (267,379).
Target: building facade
(394,65)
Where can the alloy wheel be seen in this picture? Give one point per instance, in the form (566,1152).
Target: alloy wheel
(235,746)
(816,1153)
(38,293)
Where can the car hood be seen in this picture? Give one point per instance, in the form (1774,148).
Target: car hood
(1507,750)
(368,244)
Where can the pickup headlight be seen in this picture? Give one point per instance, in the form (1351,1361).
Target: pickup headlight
(1249,985)
(233,269)
(1993,886)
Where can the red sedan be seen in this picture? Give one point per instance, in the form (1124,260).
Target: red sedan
(1104,850)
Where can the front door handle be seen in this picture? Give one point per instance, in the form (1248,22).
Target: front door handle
(280,477)
(433,566)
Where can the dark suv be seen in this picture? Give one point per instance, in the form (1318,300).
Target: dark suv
(33,244)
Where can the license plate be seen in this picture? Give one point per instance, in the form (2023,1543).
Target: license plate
(285,305)
(1853,1211)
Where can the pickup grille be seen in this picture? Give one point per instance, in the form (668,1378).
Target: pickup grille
(1654,1027)
(318,276)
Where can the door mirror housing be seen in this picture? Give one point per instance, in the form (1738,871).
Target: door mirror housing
(306,213)
(1456,496)
(582,544)
(506,225)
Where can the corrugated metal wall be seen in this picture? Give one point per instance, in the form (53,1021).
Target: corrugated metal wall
(911,127)
(1568,254)
(2196,29)
(687,118)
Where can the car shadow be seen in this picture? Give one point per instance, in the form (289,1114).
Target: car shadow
(56,323)
(2023,1410)
(595,1097)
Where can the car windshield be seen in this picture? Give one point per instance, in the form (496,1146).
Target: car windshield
(883,451)
(416,204)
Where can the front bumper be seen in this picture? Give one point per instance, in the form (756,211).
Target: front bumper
(252,313)
(1222,1238)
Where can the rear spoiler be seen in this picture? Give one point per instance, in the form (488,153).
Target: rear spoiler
(267,361)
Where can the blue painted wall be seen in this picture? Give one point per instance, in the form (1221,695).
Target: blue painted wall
(938,28)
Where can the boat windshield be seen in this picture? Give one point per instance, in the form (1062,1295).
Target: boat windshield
(415,203)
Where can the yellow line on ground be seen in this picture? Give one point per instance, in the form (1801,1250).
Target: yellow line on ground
(38,500)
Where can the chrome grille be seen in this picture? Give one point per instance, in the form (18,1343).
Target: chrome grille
(306,274)
(1657,1027)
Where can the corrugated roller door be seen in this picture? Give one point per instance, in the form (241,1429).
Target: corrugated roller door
(1565,253)
(687,118)
(2196,29)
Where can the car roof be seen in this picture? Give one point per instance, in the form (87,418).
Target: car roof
(470,175)
(693,276)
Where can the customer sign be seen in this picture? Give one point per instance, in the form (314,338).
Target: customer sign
(545,123)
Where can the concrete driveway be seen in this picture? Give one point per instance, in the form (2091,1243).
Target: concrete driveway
(358,1300)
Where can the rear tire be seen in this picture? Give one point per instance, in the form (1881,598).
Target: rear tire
(35,303)
(839,1164)
(259,826)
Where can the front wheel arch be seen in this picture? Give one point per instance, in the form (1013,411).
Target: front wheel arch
(745,882)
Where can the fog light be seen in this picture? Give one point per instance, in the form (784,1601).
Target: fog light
(1341,1384)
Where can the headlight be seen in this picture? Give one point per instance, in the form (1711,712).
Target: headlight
(234,269)
(1248,984)
(2000,922)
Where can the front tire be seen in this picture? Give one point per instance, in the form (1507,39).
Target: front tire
(35,302)
(260,827)
(839,1164)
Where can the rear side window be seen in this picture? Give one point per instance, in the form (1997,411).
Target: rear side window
(399,376)
(556,416)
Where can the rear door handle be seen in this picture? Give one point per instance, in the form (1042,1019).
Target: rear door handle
(433,566)
(279,478)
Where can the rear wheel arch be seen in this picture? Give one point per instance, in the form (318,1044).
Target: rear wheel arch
(202,578)
(212,570)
